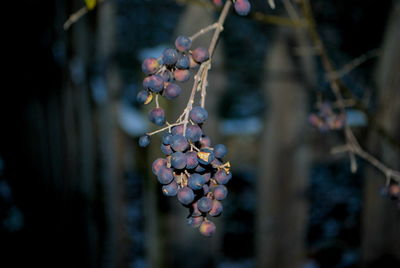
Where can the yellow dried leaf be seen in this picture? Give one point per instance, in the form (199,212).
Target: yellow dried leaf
(203,155)
(90,4)
(149,99)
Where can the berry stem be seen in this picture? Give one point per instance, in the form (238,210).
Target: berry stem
(204,31)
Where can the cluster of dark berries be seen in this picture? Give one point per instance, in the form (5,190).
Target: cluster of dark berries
(173,66)
(242,7)
(192,169)
(393,192)
(326,119)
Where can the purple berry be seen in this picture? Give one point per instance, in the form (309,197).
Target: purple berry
(242,7)
(204,204)
(144,97)
(207,228)
(216,208)
(144,141)
(181,75)
(191,160)
(196,181)
(172,91)
(222,177)
(195,221)
(158,164)
(157,116)
(178,160)
(179,143)
(166,138)
(193,133)
(198,114)
(194,210)
(200,54)
(177,130)
(165,175)
(154,83)
(185,195)
(170,56)
(183,62)
(150,66)
(220,150)
(183,43)
(170,189)
(205,142)
(220,192)
(166,149)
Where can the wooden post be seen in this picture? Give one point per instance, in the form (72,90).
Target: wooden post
(284,162)
(381,217)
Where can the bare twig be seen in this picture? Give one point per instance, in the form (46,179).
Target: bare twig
(271,3)
(204,31)
(352,145)
(354,64)
(77,15)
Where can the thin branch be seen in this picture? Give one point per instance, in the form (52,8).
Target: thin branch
(291,10)
(271,3)
(204,31)
(162,129)
(77,15)
(347,68)
(352,145)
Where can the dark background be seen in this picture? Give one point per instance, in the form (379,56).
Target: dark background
(77,191)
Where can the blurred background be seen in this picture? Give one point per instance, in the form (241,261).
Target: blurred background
(77,191)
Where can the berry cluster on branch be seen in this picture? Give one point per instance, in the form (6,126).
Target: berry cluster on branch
(193,169)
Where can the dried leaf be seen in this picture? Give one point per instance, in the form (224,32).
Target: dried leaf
(90,4)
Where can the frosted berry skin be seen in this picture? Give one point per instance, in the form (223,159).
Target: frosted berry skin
(178,160)
(185,195)
(158,164)
(166,139)
(170,189)
(220,192)
(183,43)
(193,133)
(205,142)
(191,160)
(220,150)
(143,97)
(166,149)
(150,66)
(177,130)
(195,222)
(222,177)
(179,143)
(171,91)
(170,56)
(155,83)
(196,181)
(242,7)
(181,75)
(200,55)
(157,116)
(165,175)
(207,228)
(198,115)
(204,204)
(183,62)
(216,208)
(144,141)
